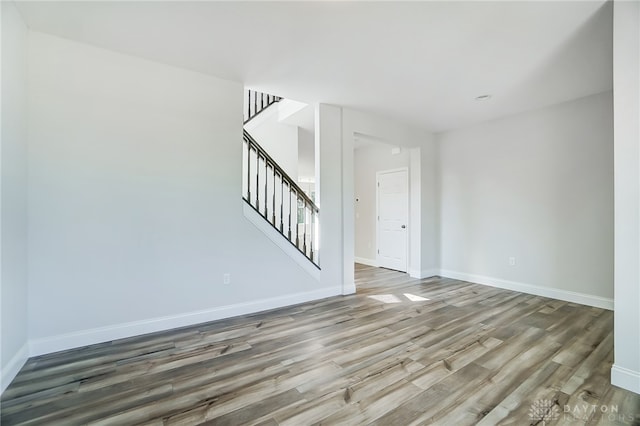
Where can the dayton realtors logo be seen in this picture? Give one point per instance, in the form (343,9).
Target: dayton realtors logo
(543,411)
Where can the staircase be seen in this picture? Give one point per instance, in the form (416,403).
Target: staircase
(272,193)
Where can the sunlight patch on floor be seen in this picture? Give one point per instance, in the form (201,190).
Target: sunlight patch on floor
(415,298)
(386,298)
(390,298)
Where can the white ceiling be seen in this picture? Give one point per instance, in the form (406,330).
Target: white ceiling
(419,62)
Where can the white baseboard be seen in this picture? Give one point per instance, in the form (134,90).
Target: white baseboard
(14,365)
(413,273)
(553,293)
(365,261)
(119,331)
(425,273)
(277,238)
(349,289)
(625,378)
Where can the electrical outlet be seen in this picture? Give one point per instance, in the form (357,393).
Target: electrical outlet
(226,278)
(512,261)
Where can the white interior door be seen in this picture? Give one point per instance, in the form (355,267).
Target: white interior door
(393,215)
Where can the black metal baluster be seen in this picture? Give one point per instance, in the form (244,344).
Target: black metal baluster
(304,219)
(266,191)
(273,210)
(255,103)
(289,197)
(281,203)
(257,180)
(311,237)
(249,172)
(297,239)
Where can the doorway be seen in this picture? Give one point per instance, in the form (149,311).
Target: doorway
(392,189)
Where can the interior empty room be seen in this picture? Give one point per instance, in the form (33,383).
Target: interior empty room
(320,212)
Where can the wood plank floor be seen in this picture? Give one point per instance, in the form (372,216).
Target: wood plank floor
(468,354)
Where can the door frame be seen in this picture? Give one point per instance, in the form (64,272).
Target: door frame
(407,245)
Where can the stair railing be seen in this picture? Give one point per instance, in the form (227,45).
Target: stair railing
(276,197)
(256,102)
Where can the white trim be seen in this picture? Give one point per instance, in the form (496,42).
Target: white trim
(14,365)
(279,240)
(625,378)
(553,293)
(349,289)
(365,261)
(407,252)
(426,273)
(119,331)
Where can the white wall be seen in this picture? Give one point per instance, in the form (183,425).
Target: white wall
(306,155)
(329,196)
(429,210)
(135,207)
(538,187)
(369,160)
(13,231)
(278,139)
(626,65)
